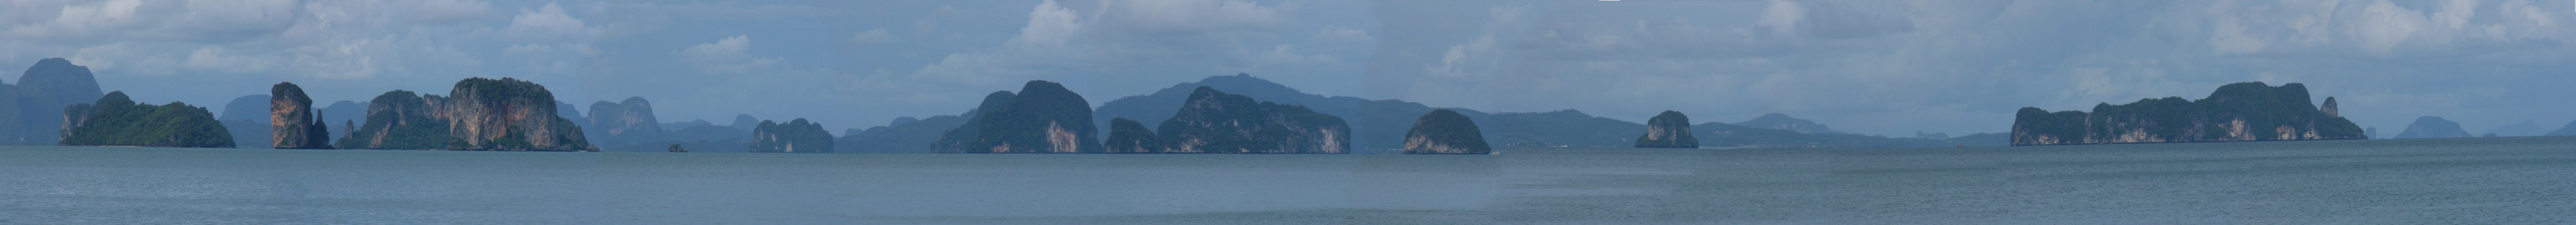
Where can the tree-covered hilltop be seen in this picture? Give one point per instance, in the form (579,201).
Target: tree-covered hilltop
(1445,132)
(795,136)
(1669,129)
(1128,136)
(115,120)
(506,114)
(2249,111)
(398,120)
(1043,118)
(1212,121)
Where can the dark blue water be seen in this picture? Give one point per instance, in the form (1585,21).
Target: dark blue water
(2528,180)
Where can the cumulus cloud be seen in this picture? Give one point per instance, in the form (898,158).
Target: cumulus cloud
(548,24)
(873,36)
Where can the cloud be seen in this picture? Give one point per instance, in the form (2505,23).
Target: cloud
(548,24)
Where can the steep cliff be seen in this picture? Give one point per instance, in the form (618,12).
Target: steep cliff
(795,136)
(1212,121)
(38,100)
(115,120)
(1043,118)
(1128,136)
(1778,121)
(2433,127)
(506,114)
(629,121)
(1445,132)
(399,120)
(293,123)
(2250,111)
(1668,130)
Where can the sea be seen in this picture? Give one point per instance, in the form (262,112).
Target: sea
(2515,180)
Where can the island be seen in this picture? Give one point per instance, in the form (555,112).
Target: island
(2249,111)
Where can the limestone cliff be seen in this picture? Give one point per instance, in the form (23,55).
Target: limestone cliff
(293,123)
(1669,129)
(2250,111)
(1043,118)
(1445,132)
(795,136)
(626,121)
(399,120)
(506,114)
(1212,121)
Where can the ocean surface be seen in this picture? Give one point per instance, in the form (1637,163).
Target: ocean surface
(2525,180)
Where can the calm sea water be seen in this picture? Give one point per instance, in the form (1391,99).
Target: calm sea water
(2529,180)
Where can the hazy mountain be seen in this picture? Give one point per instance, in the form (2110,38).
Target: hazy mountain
(2525,128)
(1778,121)
(2433,127)
(744,122)
(39,99)
(247,119)
(675,126)
(616,123)
(341,113)
(1378,126)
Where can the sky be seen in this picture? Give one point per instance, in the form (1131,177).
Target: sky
(1884,67)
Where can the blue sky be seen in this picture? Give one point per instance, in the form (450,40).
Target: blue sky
(1875,67)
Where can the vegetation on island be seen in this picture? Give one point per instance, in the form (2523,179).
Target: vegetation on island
(115,120)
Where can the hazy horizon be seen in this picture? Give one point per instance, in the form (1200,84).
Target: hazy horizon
(1871,67)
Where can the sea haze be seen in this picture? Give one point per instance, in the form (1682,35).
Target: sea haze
(2519,180)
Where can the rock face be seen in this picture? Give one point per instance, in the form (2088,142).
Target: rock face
(795,136)
(399,120)
(293,122)
(2433,127)
(2250,111)
(1212,121)
(1128,136)
(626,121)
(1445,132)
(1043,118)
(2330,108)
(506,115)
(31,112)
(1668,130)
(115,120)
(1778,121)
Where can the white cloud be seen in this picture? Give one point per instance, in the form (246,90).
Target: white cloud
(1344,34)
(730,56)
(548,24)
(452,11)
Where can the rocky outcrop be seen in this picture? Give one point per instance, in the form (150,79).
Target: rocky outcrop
(293,122)
(506,114)
(1669,129)
(31,112)
(1212,121)
(1128,136)
(1043,118)
(1445,132)
(795,136)
(2330,108)
(399,120)
(676,148)
(2250,111)
(115,120)
(2433,127)
(1778,121)
(626,121)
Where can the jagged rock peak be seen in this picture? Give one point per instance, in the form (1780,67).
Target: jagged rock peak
(1445,132)
(1669,129)
(293,122)
(795,136)
(2329,108)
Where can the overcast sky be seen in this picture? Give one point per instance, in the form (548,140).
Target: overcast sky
(1874,67)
